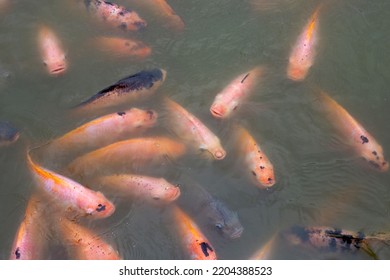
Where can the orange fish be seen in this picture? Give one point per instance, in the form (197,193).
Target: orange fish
(363,143)
(154,190)
(70,193)
(29,241)
(52,53)
(191,129)
(82,244)
(195,243)
(105,130)
(115,15)
(232,96)
(123,47)
(304,51)
(259,167)
(127,153)
(264,253)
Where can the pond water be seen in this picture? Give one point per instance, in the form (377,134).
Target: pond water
(319,181)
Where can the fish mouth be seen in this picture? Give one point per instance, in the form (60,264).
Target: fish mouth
(219,154)
(237,233)
(216,113)
(176,194)
(58,70)
(295,73)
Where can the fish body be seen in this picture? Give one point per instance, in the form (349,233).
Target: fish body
(128,152)
(115,15)
(259,167)
(29,241)
(137,86)
(154,190)
(235,93)
(8,133)
(70,193)
(192,130)
(105,130)
(52,53)
(123,47)
(304,50)
(193,240)
(83,244)
(354,133)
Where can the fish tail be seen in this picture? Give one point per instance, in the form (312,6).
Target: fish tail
(365,246)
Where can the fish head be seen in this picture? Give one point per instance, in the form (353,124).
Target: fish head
(215,149)
(226,221)
(165,192)
(219,110)
(101,207)
(263,176)
(296,72)
(373,153)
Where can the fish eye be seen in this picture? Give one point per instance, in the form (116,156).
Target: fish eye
(218,226)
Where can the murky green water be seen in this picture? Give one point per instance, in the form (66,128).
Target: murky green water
(319,181)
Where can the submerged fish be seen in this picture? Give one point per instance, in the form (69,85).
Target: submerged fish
(137,86)
(52,53)
(259,167)
(29,243)
(264,253)
(71,194)
(195,243)
(354,133)
(139,187)
(83,244)
(192,130)
(122,47)
(233,95)
(8,133)
(115,15)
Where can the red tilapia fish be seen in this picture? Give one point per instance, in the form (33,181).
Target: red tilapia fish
(70,193)
(122,47)
(115,15)
(259,167)
(362,142)
(154,190)
(304,51)
(104,130)
(195,243)
(140,85)
(192,130)
(232,96)
(83,244)
(136,151)
(29,241)
(52,53)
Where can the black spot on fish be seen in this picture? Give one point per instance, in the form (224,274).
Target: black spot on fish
(254,173)
(121,113)
(205,246)
(374,153)
(269,179)
(121,13)
(150,113)
(17,253)
(109,3)
(364,139)
(101,208)
(246,76)
(262,167)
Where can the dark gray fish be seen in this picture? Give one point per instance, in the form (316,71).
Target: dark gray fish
(8,133)
(207,209)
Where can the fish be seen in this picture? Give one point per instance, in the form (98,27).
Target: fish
(304,50)
(203,206)
(235,93)
(115,15)
(52,52)
(363,143)
(257,164)
(127,153)
(195,243)
(29,242)
(72,195)
(83,244)
(104,130)
(264,253)
(8,133)
(140,85)
(150,189)
(192,130)
(122,47)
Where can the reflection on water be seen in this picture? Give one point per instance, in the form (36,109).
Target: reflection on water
(319,179)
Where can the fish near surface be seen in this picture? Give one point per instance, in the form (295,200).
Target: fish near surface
(354,133)
(193,240)
(83,244)
(258,166)
(69,193)
(52,53)
(193,131)
(8,133)
(235,93)
(29,242)
(140,85)
(304,50)
(122,47)
(115,15)
(150,189)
